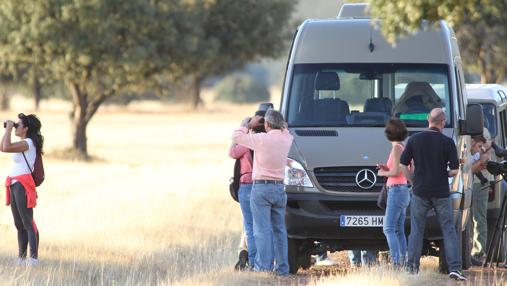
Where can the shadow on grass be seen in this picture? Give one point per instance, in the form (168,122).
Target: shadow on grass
(70,154)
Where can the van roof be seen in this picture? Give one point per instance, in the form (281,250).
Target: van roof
(354,10)
(347,41)
(487,92)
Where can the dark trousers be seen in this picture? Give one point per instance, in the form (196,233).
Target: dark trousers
(23,220)
(419,207)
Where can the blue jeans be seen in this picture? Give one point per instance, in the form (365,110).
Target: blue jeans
(418,208)
(364,257)
(268,202)
(398,199)
(244,203)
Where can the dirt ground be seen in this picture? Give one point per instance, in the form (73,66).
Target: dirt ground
(343,274)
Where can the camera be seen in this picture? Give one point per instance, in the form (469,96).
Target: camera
(15,125)
(497,168)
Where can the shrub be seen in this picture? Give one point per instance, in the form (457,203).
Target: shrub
(240,88)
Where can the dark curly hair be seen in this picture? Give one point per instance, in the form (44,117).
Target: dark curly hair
(34,125)
(396,130)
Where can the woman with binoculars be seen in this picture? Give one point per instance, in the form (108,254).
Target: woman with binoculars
(20,186)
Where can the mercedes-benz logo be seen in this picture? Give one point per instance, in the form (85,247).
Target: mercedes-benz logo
(366,179)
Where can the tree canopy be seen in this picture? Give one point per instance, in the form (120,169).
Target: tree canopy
(234,33)
(480,26)
(102,47)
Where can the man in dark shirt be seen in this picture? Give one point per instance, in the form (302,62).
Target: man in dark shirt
(433,154)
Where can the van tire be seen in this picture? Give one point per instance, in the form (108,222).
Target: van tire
(293,249)
(304,255)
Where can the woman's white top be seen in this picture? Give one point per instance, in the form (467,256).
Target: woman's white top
(19,167)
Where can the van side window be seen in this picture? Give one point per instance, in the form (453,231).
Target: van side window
(460,84)
(490,120)
(503,125)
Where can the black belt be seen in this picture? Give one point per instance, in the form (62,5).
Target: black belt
(267,182)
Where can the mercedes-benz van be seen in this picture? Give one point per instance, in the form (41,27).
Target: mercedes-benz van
(343,82)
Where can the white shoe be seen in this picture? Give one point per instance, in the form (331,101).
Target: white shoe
(326,262)
(20,261)
(32,261)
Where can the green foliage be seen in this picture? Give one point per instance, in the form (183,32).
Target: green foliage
(480,25)
(241,88)
(405,16)
(101,48)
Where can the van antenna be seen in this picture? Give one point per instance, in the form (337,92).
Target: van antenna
(371,46)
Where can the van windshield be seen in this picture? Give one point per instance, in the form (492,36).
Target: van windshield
(367,94)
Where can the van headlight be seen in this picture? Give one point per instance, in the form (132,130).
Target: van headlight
(295,175)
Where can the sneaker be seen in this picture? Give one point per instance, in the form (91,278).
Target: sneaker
(20,261)
(242,260)
(325,262)
(32,261)
(457,275)
(476,261)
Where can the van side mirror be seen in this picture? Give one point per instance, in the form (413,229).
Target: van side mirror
(474,122)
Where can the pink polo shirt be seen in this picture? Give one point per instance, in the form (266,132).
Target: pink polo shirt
(271,150)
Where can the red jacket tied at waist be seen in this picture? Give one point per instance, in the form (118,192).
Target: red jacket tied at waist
(27,181)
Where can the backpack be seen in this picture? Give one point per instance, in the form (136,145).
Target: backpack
(234,180)
(38,169)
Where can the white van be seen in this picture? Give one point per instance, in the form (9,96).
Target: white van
(493,99)
(343,82)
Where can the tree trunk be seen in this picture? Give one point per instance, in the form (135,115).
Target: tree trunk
(196,99)
(79,120)
(83,110)
(4,100)
(37,92)
(79,140)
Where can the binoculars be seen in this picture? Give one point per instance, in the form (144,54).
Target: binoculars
(15,125)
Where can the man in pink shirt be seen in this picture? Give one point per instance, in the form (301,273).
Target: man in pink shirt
(268,198)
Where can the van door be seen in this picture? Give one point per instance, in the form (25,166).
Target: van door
(465,177)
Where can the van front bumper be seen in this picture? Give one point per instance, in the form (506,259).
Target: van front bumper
(316,216)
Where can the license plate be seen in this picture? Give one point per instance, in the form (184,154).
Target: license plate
(361,220)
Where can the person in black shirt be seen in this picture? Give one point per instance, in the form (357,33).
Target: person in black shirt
(435,159)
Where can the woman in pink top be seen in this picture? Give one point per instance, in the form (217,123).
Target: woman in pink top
(245,156)
(398,196)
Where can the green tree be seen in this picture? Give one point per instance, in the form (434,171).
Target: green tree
(241,88)
(480,26)
(96,48)
(233,33)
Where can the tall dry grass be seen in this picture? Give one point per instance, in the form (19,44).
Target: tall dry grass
(153,210)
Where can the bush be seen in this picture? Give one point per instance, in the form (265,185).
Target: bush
(240,88)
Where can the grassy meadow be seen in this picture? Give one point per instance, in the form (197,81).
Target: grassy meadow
(152,208)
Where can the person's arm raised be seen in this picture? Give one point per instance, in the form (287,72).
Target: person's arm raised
(7,145)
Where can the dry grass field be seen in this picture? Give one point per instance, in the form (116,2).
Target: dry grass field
(152,209)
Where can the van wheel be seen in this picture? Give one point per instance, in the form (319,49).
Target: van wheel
(304,255)
(293,249)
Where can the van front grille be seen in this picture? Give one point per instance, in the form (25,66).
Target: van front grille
(343,179)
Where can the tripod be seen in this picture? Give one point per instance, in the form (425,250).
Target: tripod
(495,245)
